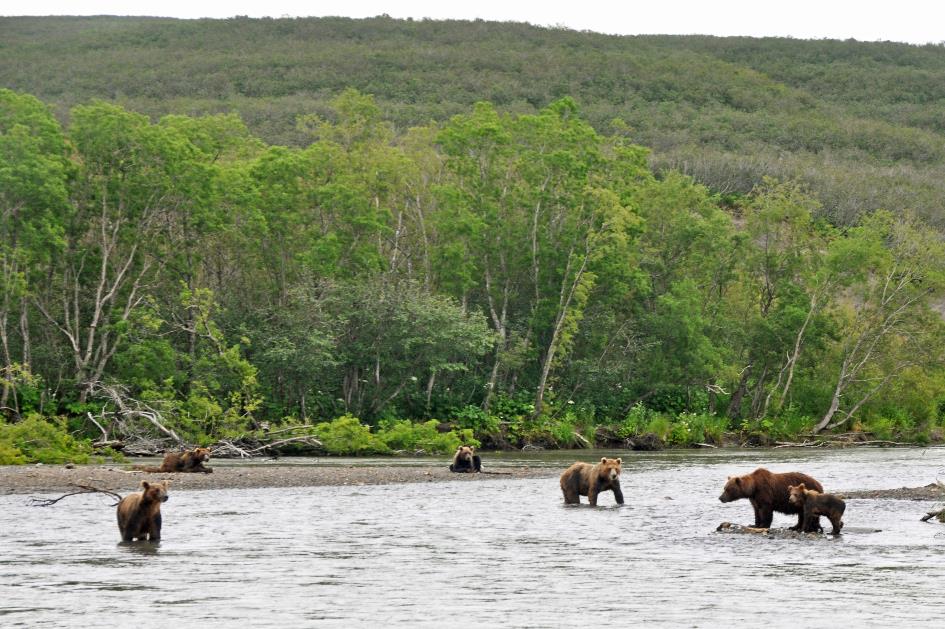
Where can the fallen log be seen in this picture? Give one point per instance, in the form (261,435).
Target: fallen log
(729,527)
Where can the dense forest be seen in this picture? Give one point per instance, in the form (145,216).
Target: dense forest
(386,267)
(860,124)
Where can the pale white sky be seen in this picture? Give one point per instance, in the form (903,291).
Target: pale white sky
(914,21)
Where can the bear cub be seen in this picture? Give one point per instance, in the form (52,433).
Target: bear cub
(815,504)
(586,479)
(139,514)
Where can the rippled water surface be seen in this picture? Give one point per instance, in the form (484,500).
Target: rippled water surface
(495,553)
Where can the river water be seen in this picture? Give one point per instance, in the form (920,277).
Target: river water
(500,553)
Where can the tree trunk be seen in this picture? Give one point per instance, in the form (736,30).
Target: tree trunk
(564,302)
(430,383)
(735,404)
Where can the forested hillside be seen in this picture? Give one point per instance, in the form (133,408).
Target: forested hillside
(861,124)
(524,269)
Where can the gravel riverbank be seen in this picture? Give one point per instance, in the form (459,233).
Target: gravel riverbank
(24,479)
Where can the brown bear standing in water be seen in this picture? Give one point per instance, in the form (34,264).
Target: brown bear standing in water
(186,461)
(768,492)
(586,479)
(466,460)
(815,504)
(139,514)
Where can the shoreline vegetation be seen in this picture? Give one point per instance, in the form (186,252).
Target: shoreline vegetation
(511,274)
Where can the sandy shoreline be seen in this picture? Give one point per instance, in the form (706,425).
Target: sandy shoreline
(30,479)
(48,479)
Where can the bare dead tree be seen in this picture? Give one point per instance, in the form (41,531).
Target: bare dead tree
(130,409)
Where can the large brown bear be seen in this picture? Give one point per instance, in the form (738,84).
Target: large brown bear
(139,514)
(186,461)
(586,479)
(466,460)
(768,492)
(815,504)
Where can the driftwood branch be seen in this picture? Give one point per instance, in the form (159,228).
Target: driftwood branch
(130,408)
(940,514)
(241,449)
(81,489)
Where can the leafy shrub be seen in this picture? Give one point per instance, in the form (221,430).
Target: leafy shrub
(10,454)
(636,421)
(693,428)
(41,440)
(406,435)
(347,435)
(476,419)
(660,426)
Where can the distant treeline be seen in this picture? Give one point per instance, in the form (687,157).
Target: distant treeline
(862,125)
(520,275)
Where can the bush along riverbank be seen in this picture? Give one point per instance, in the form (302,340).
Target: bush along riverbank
(38,439)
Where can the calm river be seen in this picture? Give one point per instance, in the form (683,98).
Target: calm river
(500,553)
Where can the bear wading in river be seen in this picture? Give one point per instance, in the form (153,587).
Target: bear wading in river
(139,514)
(466,460)
(768,492)
(815,504)
(186,461)
(589,479)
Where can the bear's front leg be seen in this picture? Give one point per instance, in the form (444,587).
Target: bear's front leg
(618,494)
(766,515)
(154,532)
(758,515)
(592,494)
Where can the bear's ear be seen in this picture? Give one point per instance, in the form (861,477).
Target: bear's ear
(738,480)
(802,486)
(145,485)
(603,459)
(791,487)
(619,460)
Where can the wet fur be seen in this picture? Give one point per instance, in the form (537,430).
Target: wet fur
(816,504)
(186,461)
(768,492)
(587,479)
(466,461)
(139,514)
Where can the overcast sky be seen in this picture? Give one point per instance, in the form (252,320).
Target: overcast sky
(915,21)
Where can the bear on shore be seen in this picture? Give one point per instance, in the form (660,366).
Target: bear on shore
(815,504)
(139,514)
(768,492)
(587,479)
(466,460)
(186,461)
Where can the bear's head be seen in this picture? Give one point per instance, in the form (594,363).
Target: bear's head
(797,494)
(608,469)
(154,492)
(465,453)
(201,454)
(738,487)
